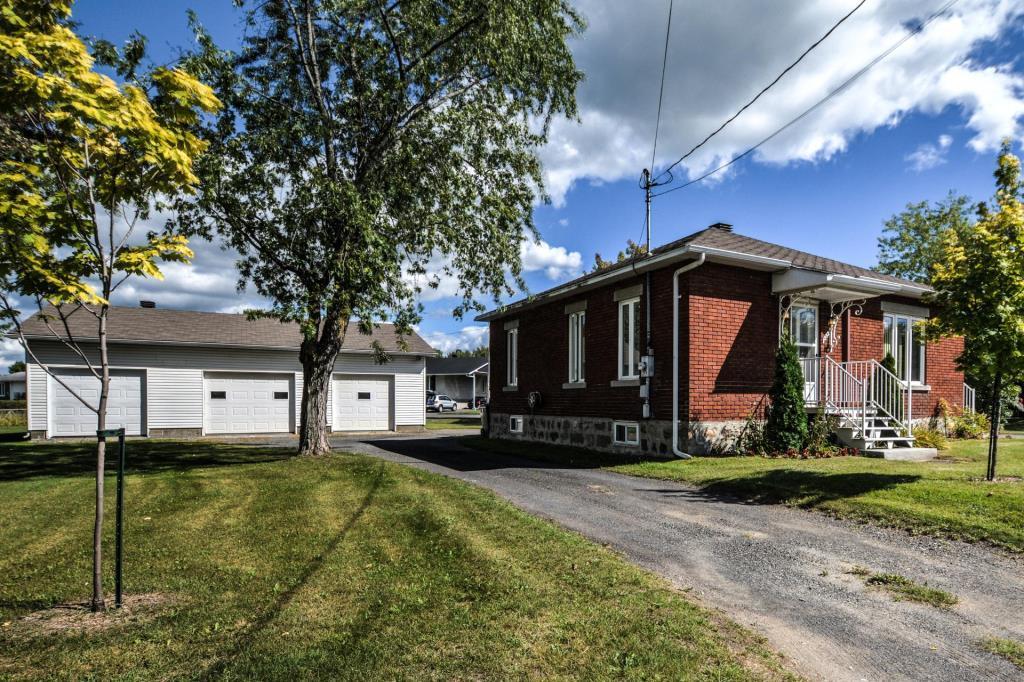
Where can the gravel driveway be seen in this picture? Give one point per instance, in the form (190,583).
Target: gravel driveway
(781,571)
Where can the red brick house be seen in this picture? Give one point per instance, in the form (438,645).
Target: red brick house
(600,362)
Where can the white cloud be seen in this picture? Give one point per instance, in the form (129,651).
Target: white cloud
(10,352)
(466,338)
(721,54)
(555,261)
(928,155)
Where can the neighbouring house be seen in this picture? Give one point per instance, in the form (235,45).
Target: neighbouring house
(461,379)
(12,386)
(179,373)
(674,351)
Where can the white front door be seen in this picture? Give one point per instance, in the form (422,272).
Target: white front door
(803,329)
(248,402)
(124,403)
(362,403)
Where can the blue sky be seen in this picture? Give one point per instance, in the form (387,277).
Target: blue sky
(923,122)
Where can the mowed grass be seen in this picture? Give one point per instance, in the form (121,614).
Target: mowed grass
(434,423)
(945,497)
(340,567)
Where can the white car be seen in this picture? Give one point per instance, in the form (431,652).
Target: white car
(440,403)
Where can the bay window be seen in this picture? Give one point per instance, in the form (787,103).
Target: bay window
(577,357)
(629,339)
(904,343)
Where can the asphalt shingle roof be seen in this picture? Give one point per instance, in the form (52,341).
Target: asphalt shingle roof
(724,239)
(454,365)
(189,327)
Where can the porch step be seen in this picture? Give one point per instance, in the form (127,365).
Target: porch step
(903,454)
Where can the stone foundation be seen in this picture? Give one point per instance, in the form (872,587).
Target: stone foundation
(410,428)
(595,433)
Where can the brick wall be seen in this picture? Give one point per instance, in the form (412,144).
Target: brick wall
(733,329)
(728,335)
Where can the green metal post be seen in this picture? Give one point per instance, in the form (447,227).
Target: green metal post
(119,533)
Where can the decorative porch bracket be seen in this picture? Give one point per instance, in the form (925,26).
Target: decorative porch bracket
(836,312)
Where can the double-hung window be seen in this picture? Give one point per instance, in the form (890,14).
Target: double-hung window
(577,357)
(904,343)
(629,339)
(512,357)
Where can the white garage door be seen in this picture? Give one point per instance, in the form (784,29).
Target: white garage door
(362,403)
(238,402)
(124,404)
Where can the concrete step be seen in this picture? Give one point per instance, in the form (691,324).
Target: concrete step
(902,454)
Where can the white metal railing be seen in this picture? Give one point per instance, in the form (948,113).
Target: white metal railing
(968,398)
(858,390)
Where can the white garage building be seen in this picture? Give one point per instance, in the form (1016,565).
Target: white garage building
(181,373)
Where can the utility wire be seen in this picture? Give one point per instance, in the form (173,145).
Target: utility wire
(847,83)
(661,90)
(766,88)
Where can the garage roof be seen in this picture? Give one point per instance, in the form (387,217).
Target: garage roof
(190,327)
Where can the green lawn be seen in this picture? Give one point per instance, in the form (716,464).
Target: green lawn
(453,423)
(945,497)
(341,567)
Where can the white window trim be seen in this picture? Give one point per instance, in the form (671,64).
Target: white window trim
(512,357)
(512,421)
(577,347)
(632,305)
(627,425)
(911,322)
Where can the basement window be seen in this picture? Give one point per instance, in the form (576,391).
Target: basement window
(515,424)
(280,395)
(218,395)
(626,433)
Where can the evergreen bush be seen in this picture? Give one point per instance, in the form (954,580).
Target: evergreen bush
(786,426)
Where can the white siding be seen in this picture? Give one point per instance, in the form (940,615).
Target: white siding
(175,398)
(36,398)
(175,378)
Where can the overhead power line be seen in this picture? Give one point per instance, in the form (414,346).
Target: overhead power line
(661,90)
(766,88)
(841,88)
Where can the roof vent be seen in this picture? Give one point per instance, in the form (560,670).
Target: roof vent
(722,226)
(147,304)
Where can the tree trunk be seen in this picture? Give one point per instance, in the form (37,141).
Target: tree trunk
(98,602)
(317,357)
(993,434)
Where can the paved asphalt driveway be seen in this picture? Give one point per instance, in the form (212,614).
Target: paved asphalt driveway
(781,571)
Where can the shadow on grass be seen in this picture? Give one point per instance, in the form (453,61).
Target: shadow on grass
(248,637)
(63,459)
(794,486)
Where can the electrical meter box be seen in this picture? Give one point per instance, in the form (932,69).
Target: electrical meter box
(647,366)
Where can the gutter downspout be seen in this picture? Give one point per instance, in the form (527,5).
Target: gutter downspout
(701,257)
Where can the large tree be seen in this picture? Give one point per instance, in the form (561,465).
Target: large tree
(979,289)
(370,147)
(84,160)
(911,242)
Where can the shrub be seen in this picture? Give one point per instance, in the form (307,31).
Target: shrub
(751,440)
(821,436)
(786,427)
(959,423)
(930,438)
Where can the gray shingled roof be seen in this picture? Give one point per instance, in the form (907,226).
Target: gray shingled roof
(189,327)
(9,378)
(455,365)
(726,240)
